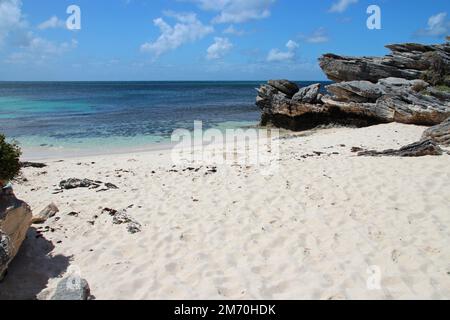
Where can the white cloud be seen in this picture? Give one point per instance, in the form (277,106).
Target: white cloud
(276,55)
(46,47)
(16,33)
(39,50)
(233,31)
(219,48)
(237,11)
(318,36)
(188,29)
(10,18)
(438,26)
(52,23)
(342,5)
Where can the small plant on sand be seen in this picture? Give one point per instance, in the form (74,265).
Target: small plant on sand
(9,160)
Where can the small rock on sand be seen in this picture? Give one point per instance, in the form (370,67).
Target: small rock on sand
(72,289)
(50,211)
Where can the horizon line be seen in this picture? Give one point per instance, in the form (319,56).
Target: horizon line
(50,81)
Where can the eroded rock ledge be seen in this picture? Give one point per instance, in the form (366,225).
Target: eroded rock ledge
(408,61)
(359,103)
(375,90)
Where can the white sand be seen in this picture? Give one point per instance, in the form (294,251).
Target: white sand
(315,229)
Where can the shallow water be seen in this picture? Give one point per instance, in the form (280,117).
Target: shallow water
(83,117)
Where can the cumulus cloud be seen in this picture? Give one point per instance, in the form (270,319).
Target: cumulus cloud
(342,5)
(52,23)
(38,50)
(438,26)
(16,33)
(276,55)
(219,48)
(188,29)
(10,18)
(233,31)
(237,11)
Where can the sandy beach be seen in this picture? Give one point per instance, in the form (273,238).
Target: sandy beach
(325,224)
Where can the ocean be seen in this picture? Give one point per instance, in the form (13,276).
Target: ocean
(100,117)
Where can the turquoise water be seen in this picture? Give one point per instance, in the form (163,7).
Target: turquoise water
(103,116)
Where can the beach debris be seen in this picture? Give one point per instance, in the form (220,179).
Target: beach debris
(72,288)
(73,214)
(317,154)
(357,149)
(15,220)
(417,149)
(122,217)
(210,170)
(48,212)
(37,165)
(134,227)
(74,183)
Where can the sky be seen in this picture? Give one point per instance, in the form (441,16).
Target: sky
(153,40)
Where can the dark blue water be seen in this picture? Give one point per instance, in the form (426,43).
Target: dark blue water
(87,114)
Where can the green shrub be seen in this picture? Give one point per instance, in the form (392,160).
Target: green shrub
(437,72)
(9,160)
(443,88)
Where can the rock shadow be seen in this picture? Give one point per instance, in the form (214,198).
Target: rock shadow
(32,268)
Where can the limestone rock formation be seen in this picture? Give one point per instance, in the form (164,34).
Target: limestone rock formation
(409,61)
(356,103)
(307,94)
(417,149)
(374,90)
(390,100)
(15,219)
(440,134)
(284,86)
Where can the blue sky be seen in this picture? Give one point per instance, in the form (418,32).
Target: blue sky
(202,39)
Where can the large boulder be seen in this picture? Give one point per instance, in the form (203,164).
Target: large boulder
(440,133)
(15,220)
(408,61)
(5,253)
